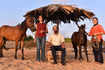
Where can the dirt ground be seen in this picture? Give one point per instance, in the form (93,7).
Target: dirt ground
(9,63)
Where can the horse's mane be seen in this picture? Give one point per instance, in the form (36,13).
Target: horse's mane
(22,24)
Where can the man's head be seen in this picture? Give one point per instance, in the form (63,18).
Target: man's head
(40,18)
(95,20)
(55,29)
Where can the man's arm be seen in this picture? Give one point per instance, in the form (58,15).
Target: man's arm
(91,32)
(101,31)
(46,29)
(63,45)
(62,42)
(49,41)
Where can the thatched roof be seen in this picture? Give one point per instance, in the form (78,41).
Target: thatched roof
(65,13)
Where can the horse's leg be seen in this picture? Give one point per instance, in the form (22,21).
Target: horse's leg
(75,50)
(80,52)
(16,49)
(1,46)
(86,52)
(22,49)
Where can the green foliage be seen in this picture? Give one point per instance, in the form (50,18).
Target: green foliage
(67,40)
(28,38)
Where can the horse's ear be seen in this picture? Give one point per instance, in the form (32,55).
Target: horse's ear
(24,21)
(84,25)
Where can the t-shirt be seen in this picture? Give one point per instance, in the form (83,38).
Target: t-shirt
(56,39)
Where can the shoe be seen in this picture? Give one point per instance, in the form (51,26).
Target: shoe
(63,63)
(101,62)
(54,62)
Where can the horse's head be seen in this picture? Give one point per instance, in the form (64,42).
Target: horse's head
(82,29)
(30,23)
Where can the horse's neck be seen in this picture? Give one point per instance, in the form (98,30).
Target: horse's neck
(80,33)
(23,27)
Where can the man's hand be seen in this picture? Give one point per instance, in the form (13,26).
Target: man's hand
(98,34)
(34,40)
(63,45)
(49,44)
(88,34)
(42,31)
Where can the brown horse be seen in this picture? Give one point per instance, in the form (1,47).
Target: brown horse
(15,33)
(80,39)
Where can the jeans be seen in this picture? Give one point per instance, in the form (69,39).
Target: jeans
(58,48)
(40,42)
(98,55)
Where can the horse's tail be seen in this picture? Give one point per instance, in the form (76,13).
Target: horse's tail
(4,40)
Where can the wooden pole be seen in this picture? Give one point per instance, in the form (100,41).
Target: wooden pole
(58,22)
(77,24)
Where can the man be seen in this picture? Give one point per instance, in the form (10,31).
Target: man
(96,32)
(40,36)
(57,44)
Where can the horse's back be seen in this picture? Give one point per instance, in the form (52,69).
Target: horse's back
(6,28)
(10,32)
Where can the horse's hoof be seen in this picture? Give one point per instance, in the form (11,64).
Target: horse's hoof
(22,58)
(88,61)
(15,57)
(75,58)
(1,55)
(6,48)
(80,58)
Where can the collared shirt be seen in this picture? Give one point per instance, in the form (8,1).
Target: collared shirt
(56,39)
(96,30)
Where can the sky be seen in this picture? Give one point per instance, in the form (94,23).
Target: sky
(12,12)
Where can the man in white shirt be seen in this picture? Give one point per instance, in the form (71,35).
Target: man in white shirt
(57,44)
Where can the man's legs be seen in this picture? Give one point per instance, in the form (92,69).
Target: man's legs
(95,51)
(100,54)
(53,49)
(63,54)
(59,48)
(43,42)
(38,49)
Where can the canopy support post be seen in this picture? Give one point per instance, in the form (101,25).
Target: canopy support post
(58,22)
(77,24)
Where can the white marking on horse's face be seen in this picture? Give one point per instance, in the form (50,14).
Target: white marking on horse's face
(30,22)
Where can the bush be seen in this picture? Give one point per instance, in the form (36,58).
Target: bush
(28,38)
(67,40)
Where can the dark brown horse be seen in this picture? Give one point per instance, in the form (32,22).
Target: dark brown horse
(15,33)
(80,39)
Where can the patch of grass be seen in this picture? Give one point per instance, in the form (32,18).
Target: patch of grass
(29,44)
(28,38)
(67,40)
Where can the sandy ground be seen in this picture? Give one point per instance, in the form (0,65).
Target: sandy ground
(9,63)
